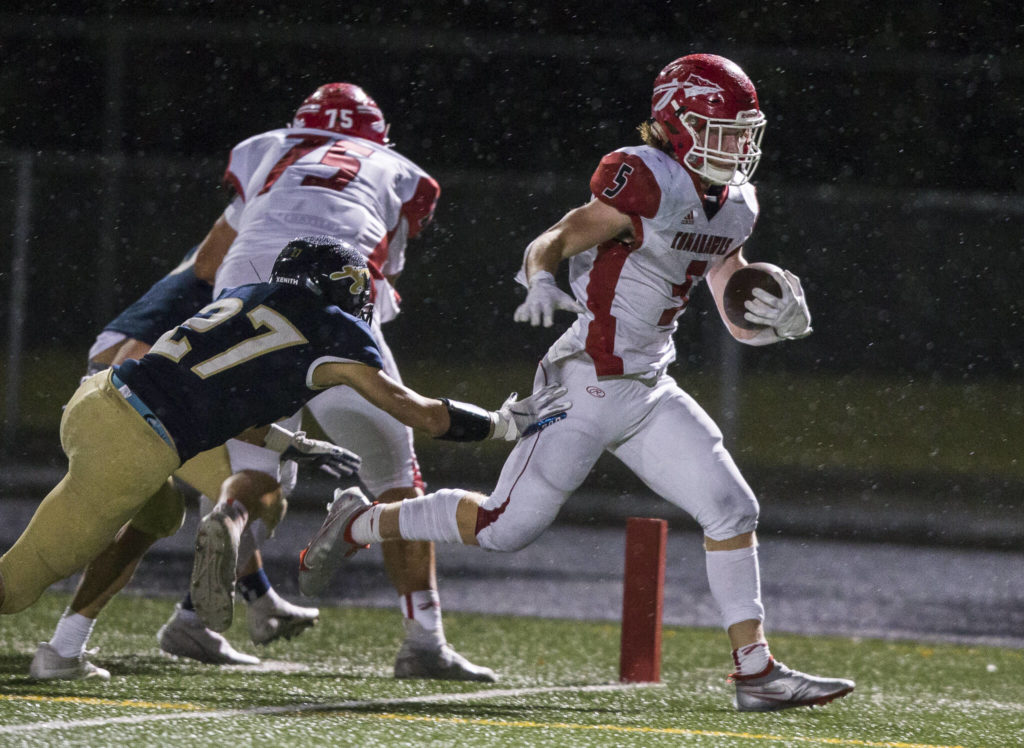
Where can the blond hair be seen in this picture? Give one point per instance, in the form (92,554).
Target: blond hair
(651,136)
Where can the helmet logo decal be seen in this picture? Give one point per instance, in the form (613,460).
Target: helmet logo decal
(694,85)
(666,91)
(360,278)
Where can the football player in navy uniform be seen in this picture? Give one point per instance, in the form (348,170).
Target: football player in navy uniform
(252,357)
(176,296)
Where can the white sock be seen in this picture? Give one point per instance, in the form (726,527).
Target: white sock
(72,634)
(366,527)
(423,607)
(431,517)
(752,659)
(735,583)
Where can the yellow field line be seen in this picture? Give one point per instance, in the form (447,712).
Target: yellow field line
(650,731)
(191,711)
(92,701)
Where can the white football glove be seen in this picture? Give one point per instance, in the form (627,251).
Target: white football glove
(336,461)
(543,298)
(788,316)
(531,414)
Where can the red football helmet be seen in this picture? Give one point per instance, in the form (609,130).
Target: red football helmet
(707,109)
(344,108)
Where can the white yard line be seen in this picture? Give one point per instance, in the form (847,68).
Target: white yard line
(30,727)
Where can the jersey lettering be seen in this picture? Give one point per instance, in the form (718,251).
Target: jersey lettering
(334,116)
(634,189)
(282,334)
(174,344)
(348,166)
(337,155)
(681,291)
(701,244)
(294,153)
(620,181)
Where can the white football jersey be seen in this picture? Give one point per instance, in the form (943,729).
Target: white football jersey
(634,293)
(295,182)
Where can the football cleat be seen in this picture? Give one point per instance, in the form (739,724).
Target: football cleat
(213,570)
(185,635)
(49,665)
(272,617)
(332,543)
(441,663)
(783,688)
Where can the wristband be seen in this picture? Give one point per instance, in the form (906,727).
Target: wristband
(469,423)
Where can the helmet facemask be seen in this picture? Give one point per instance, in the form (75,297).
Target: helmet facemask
(724,150)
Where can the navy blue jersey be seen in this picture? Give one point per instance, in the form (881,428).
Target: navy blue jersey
(176,296)
(244,360)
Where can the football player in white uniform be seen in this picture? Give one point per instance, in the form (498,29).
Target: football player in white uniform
(335,171)
(664,216)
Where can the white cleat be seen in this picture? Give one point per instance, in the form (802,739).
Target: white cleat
(185,635)
(783,688)
(332,544)
(272,617)
(425,654)
(442,663)
(213,570)
(49,665)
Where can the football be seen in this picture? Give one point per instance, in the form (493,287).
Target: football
(740,288)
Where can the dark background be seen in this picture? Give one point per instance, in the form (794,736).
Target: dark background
(892,181)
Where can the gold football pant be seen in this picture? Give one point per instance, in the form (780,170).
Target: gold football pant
(117,463)
(163,514)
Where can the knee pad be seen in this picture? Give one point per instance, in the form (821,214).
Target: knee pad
(23,582)
(163,513)
(735,515)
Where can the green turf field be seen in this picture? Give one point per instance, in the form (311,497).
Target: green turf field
(332,686)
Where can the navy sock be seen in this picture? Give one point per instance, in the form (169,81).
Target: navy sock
(254,586)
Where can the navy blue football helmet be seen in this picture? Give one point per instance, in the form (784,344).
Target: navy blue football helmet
(329,267)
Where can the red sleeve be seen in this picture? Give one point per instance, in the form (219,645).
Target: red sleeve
(419,209)
(625,182)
